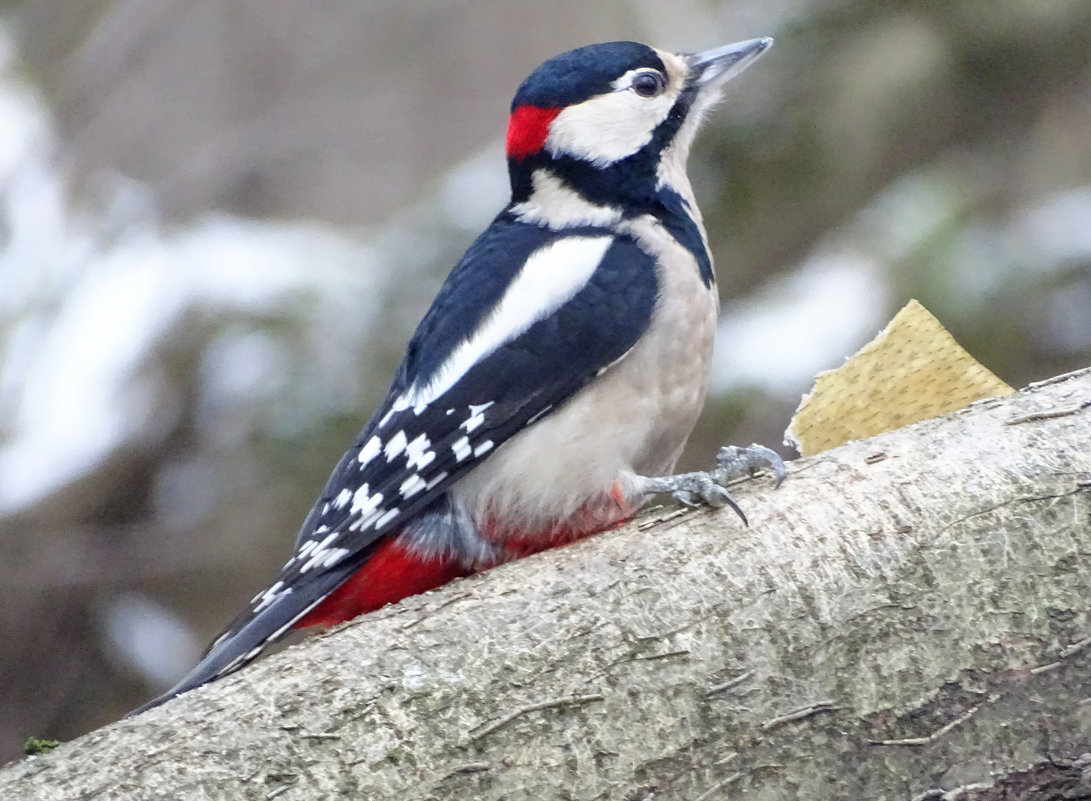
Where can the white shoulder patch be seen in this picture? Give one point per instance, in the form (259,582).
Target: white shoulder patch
(551,276)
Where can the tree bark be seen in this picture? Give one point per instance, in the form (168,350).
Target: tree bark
(908,616)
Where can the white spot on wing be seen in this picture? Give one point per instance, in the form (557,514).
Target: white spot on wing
(321,553)
(437,479)
(483,448)
(333,556)
(343,497)
(263,599)
(461,449)
(367,520)
(363,502)
(386,518)
(400,405)
(395,446)
(304,549)
(413,485)
(549,278)
(417,454)
(369,451)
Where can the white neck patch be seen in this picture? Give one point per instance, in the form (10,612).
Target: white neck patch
(555,205)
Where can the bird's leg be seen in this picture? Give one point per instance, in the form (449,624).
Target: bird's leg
(709,488)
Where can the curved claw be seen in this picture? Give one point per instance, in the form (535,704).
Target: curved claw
(738,510)
(693,489)
(718,497)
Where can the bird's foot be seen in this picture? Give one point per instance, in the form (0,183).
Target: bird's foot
(709,488)
(734,462)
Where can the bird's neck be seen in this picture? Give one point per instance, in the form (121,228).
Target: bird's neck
(563,192)
(569,199)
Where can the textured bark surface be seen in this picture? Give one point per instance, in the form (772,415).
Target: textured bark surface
(907,617)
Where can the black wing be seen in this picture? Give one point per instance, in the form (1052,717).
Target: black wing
(410,453)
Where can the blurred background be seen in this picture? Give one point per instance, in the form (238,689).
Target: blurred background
(220,221)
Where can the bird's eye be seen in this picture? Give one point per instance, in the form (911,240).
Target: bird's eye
(649,83)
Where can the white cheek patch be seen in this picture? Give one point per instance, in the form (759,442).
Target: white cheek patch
(550,277)
(609,127)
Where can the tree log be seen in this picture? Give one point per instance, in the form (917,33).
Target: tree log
(908,616)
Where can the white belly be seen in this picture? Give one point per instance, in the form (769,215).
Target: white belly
(633,419)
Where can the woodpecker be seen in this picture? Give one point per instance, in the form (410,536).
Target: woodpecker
(551,386)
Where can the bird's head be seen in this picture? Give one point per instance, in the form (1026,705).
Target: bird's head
(616,117)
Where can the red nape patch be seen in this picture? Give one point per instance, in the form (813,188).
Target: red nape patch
(392,573)
(528,127)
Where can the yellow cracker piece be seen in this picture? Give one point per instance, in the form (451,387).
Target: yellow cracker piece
(912,370)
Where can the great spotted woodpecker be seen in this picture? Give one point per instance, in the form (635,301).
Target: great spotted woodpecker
(558,372)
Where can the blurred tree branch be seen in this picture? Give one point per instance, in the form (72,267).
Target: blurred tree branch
(908,616)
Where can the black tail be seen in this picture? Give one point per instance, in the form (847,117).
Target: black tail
(251,633)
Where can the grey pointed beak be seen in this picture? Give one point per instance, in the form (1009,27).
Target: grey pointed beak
(724,63)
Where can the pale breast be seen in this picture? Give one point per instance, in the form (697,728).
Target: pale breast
(633,419)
